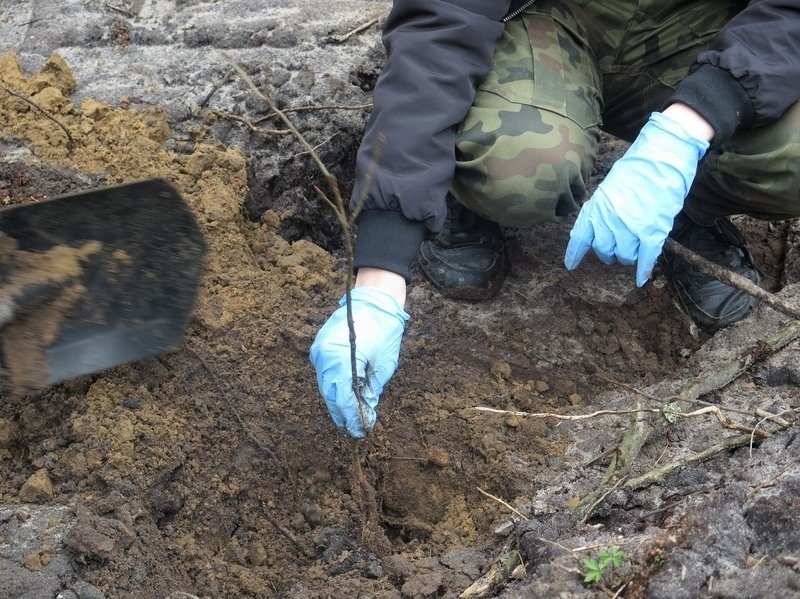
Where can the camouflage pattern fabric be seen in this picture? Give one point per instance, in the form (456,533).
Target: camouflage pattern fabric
(756,173)
(564,70)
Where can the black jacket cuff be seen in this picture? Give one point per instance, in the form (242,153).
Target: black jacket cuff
(719,98)
(388,240)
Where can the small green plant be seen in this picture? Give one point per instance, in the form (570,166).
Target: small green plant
(596,567)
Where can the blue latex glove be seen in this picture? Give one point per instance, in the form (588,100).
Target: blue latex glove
(631,213)
(379,322)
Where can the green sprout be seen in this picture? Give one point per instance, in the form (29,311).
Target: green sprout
(596,567)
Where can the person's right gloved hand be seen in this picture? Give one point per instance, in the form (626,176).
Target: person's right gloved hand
(379,321)
(632,211)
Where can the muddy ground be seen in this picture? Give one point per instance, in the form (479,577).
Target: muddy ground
(214,471)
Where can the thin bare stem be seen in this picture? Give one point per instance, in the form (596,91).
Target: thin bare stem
(503,503)
(215,88)
(285,531)
(362,198)
(567,416)
(225,397)
(601,499)
(339,216)
(318,146)
(753,434)
(714,410)
(315,107)
(658,474)
(240,119)
(663,400)
(731,278)
(339,208)
(363,27)
(120,10)
(268,101)
(10,92)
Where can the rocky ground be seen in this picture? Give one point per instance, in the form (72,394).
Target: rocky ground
(214,470)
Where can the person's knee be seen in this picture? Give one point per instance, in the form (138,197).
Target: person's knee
(758,171)
(521,184)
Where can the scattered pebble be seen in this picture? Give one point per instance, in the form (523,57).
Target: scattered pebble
(37,489)
(131,402)
(500,369)
(541,386)
(313,514)
(437,457)
(504,529)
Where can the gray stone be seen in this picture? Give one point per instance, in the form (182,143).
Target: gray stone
(767,581)
(774,521)
(84,590)
(469,562)
(683,576)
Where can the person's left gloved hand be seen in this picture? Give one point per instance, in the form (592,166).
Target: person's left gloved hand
(632,211)
(379,321)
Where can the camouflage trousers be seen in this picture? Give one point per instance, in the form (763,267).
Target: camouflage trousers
(565,70)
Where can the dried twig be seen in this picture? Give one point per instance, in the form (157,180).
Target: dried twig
(567,416)
(224,395)
(769,482)
(363,27)
(599,457)
(620,589)
(286,532)
(731,278)
(753,434)
(714,410)
(121,11)
(249,124)
(10,92)
(583,548)
(776,418)
(601,499)
(497,576)
(314,107)
(318,146)
(722,374)
(249,251)
(503,503)
(34,21)
(658,474)
(663,400)
(228,77)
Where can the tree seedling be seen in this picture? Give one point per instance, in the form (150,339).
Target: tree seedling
(597,568)
(372,535)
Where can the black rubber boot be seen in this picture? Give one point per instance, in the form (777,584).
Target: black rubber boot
(467,259)
(712,304)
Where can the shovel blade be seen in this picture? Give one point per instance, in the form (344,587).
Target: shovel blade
(138,285)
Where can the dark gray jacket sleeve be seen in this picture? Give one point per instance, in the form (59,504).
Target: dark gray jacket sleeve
(438,51)
(750,74)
